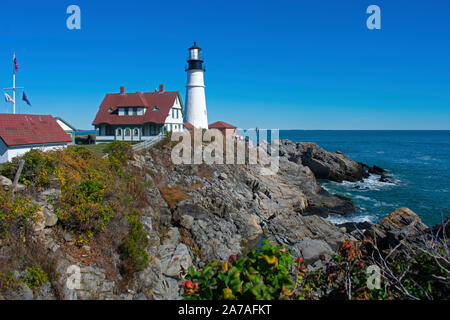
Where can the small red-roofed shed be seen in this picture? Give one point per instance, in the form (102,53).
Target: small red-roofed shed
(227,129)
(19,133)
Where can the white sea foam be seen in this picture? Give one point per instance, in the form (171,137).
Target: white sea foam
(370,183)
(364,198)
(360,218)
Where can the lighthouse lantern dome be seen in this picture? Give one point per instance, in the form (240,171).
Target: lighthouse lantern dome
(195,53)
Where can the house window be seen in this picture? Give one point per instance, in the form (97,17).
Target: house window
(173,113)
(134,111)
(127,132)
(109,131)
(136,132)
(155,109)
(119,132)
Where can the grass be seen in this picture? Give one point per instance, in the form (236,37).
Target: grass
(97,148)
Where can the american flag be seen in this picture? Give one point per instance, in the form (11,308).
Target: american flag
(16,66)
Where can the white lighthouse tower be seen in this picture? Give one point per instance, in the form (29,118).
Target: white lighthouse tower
(195,90)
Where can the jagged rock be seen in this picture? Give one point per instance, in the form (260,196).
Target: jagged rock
(50,218)
(4,181)
(310,249)
(187,221)
(223,176)
(39,221)
(176,261)
(147,223)
(20,293)
(67,236)
(290,228)
(45,292)
(400,224)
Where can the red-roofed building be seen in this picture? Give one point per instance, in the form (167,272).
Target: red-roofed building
(227,129)
(188,125)
(19,133)
(139,116)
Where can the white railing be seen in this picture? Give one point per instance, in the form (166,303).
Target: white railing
(148,143)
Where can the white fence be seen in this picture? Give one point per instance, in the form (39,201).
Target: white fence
(148,143)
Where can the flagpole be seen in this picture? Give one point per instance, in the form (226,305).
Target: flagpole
(14,85)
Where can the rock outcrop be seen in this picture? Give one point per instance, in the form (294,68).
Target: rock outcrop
(402,224)
(327,165)
(200,213)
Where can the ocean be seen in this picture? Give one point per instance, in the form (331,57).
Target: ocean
(419,161)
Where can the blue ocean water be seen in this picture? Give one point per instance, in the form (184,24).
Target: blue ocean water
(419,161)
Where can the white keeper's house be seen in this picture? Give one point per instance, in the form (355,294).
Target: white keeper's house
(138,116)
(19,133)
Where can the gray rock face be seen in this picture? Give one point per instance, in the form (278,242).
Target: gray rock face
(310,249)
(50,218)
(175,259)
(223,210)
(399,225)
(324,164)
(23,293)
(4,181)
(289,229)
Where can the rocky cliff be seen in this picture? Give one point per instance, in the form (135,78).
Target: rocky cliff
(199,213)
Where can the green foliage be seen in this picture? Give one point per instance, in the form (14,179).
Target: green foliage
(35,277)
(84,181)
(426,277)
(8,281)
(263,274)
(120,150)
(37,168)
(132,250)
(15,212)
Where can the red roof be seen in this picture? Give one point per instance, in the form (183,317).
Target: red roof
(221,125)
(25,129)
(162,100)
(188,125)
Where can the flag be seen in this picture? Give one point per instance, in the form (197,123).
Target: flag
(24,98)
(8,98)
(16,66)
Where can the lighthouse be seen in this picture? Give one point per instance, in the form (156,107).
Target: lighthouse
(195,89)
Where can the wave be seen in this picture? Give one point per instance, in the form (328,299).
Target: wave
(359,218)
(370,183)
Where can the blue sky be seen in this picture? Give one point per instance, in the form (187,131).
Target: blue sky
(278,64)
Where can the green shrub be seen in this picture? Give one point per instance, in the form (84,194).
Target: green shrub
(35,277)
(119,150)
(15,212)
(132,250)
(263,274)
(37,168)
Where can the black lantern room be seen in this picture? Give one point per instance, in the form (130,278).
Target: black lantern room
(195,59)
